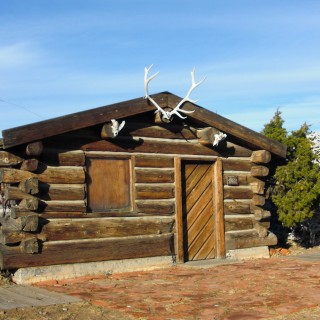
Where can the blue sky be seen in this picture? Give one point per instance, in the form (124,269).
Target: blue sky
(63,56)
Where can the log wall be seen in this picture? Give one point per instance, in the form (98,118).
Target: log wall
(48,222)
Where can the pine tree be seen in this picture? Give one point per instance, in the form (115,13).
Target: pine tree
(296,184)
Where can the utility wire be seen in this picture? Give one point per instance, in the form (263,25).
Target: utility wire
(21,107)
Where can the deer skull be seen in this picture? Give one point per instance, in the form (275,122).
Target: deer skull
(116,127)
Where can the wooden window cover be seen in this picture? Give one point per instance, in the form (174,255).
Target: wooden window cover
(109,181)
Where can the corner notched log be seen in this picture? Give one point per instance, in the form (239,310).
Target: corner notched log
(9,159)
(30,165)
(34,148)
(259,171)
(30,186)
(261,156)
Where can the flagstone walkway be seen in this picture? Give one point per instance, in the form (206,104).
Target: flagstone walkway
(257,289)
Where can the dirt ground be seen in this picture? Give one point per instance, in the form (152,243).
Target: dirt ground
(88,311)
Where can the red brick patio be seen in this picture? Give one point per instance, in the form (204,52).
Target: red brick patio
(257,289)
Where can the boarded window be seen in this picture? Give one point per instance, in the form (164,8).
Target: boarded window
(109,184)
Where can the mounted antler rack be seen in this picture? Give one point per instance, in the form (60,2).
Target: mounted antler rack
(167,115)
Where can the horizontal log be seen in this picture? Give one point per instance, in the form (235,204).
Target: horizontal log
(153,162)
(30,185)
(239,222)
(244,178)
(49,175)
(65,252)
(237,192)
(155,207)
(237,164)
(163,147)
(72,229)
(63,205)
(62,191)
(153,175)
(248,239)
(237,207)
(15,193)
(163,130)
(30,165)
(259,171)
(34,148)
(152,191)
(261,156)
(9,159)
(63,157)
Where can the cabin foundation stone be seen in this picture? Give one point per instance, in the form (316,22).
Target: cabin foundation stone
(249,253)
(67,271)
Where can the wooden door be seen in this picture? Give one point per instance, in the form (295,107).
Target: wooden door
(198,210)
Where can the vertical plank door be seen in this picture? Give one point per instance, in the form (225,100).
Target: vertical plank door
(198,210)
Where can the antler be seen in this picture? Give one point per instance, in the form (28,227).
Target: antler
(165,114)
(177,109)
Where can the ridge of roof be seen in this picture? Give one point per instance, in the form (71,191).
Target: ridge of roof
(47,128)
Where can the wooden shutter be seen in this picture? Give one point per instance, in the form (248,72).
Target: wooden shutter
(109,184)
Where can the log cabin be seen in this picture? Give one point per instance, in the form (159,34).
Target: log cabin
(75,191)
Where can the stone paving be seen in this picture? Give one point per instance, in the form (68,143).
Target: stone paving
(256,289)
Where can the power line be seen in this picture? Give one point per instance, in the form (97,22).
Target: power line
(22,107)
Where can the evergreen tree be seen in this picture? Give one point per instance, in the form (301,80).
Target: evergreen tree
(296,184)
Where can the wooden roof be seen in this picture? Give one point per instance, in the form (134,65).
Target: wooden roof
(48,128)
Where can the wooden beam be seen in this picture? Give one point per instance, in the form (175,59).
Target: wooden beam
(49,175)
(247,136)
(155,207)
(179,239)
(154,161)
(233,206)
(152,191)
(14,193)
(129,144)
(218,209)
(63,205)
(64,252)
(62,191)
(237,192)
(73,229)
(248,239)
(239,222)
(63,157)
(48,128)
(154,175)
